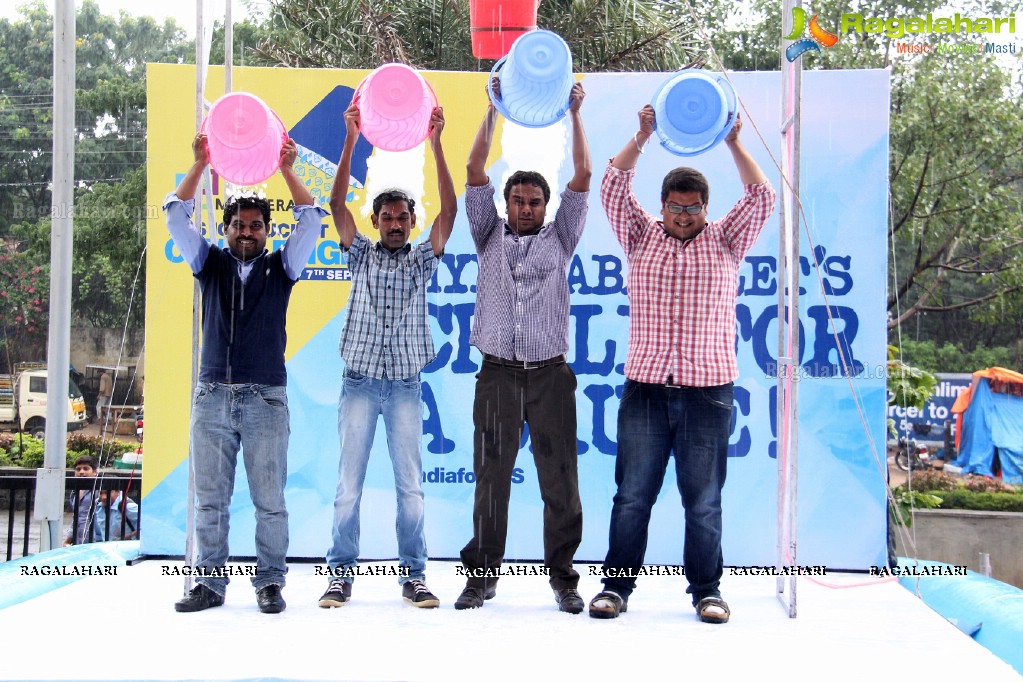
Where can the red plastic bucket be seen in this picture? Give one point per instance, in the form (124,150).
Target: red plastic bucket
(495,24)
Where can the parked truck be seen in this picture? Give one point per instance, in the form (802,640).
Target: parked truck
(23,401)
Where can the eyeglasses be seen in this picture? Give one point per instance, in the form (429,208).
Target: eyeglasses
(691,210)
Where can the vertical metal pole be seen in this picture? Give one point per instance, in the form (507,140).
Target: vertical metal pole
(788,322)
(228,47)
(49,506)
(200,81)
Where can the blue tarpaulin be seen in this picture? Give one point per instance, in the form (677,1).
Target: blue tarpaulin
(992,424)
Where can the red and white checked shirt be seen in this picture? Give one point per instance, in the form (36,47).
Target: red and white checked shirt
(682,294)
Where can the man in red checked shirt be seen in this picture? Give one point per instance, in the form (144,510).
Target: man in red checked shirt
(677,398)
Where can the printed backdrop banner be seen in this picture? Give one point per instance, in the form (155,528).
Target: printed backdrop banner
(842,515)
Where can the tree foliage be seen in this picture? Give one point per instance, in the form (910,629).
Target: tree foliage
(109,155)
(24,296)
(947,357)
(955,162)
(110,100)
(604,35)
(108,287)
(908,386)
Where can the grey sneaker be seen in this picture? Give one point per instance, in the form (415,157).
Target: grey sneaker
(416,593)
(338,594)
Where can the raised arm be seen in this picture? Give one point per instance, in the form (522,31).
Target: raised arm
(189,184)
(344,221)
(476,166)
(627,158)
(187,236)
(299,192)
(580,181)
(445,220)
(749,171)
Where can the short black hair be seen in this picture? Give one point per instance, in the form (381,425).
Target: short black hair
(238,203)
(85,459)
(684,179)
(528,178)
(389,195)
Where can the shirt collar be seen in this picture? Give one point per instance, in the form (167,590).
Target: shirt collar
(244,262)
(509,231)
(379,247)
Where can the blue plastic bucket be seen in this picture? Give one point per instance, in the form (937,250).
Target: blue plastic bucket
(536,80)
(695,110)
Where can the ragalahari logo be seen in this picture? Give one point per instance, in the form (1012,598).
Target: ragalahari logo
(818,36)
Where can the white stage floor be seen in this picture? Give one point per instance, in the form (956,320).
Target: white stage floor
(124,628)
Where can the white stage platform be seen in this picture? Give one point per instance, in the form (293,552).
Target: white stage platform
(124,628)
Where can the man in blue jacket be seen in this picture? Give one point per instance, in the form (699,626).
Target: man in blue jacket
(241,399)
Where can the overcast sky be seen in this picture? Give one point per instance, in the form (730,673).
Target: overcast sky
(182,11)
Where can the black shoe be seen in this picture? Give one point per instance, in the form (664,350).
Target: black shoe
(269,599)
(338,594)
(416,593)
(607,604)
(473,597)
(199,599)
(568,600)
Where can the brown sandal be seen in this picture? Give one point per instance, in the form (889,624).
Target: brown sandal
(607,604)
(710,610)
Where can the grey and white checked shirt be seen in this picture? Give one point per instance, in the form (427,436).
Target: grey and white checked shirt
(522,302)
(387,331)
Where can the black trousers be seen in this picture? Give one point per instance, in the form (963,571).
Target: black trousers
(507,398)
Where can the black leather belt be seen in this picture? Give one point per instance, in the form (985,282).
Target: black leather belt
(669,384)
(523,364)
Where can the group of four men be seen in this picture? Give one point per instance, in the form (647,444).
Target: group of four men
(677,397)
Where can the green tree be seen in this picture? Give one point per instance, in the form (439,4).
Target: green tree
(108,277)
(108,288)
(955,161)
(110,153)
(247,34)
(110,100)
(604,35)
(24,292)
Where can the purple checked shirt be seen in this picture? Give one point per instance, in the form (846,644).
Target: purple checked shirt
(522,303)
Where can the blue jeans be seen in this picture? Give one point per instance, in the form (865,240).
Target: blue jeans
(255,419)
(363,401)
(654,422)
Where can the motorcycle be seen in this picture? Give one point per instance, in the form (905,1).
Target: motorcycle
(912,455)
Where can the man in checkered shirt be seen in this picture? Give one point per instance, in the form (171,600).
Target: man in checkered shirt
(521,327)
(385,343)
(677,398)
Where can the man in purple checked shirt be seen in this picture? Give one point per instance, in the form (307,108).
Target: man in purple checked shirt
(521,327)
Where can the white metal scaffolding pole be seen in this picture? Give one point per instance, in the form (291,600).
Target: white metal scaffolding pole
(201,55)
(203,41)
(49,504)
(787,408)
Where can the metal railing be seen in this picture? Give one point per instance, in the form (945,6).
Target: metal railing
(20,527)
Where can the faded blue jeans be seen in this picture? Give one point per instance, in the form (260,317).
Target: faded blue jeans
(255,419)
(363,400)
(654,422)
